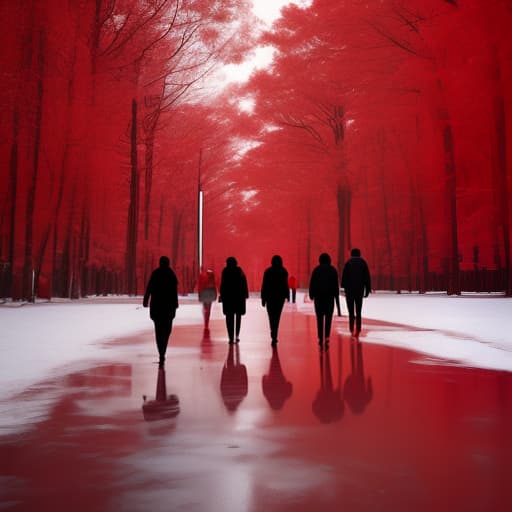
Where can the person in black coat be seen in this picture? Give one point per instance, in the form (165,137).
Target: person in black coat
(233,294)
(357,284)
(274,291)
(162,297)
(325,292)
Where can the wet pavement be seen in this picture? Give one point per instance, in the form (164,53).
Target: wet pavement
(358,427)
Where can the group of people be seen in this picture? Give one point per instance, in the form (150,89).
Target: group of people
(277,287)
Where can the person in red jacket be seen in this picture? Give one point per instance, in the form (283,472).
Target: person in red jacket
(207,291)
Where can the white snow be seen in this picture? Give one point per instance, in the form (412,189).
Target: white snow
(38,341)
(473,329)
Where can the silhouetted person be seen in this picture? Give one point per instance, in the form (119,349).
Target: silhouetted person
(274,291)
(275,386)
(328,405)
(324,291)
(233,294)
(357,284)
(207,291)
(358,390)
(292,285)
(233,381)
(163,406)
(162,297)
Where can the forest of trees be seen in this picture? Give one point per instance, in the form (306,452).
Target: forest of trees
(382,125)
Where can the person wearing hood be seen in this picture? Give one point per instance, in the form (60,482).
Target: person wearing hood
(324,290)
(233,293)
(162,297)
(357,284)
(274,292)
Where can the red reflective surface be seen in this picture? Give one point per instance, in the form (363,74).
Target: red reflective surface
(236,428)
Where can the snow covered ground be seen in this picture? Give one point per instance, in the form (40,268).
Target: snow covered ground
(40,340)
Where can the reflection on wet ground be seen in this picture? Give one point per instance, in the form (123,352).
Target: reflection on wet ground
(249,427)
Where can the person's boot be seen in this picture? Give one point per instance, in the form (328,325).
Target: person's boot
(351,324)
(358,325)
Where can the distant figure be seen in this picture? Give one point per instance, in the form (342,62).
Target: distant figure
(162,297)
(274,384)
(357,284)
(234,383)
(292,285)
(233,294)
(207,291)
(274,291)
(325,292)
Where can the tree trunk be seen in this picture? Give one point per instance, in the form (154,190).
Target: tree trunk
(344,200)
(28,292)
(133,209)
(13,191)
(500,128)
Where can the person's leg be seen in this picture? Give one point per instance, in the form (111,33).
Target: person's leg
(328,321)
(359,306)
(350,307)
(230,325)
(207,306)
(319,312)
(274,315)
(160,336)
(294,294)
(238,318)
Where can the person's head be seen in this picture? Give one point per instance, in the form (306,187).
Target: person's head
(277,261)
(164,261)
(324,259)
(355,253)
(231,262)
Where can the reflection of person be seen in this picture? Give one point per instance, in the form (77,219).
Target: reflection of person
(358,391)
(233,381)
(163,406)
(324,291)
(274,291)
(207,291)
(328,405)
(162,297)
(356,282)
(292,285)
(233,294)
(275,386)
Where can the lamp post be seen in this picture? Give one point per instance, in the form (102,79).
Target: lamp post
(199,214)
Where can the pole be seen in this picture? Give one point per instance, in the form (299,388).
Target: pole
(200,230)
(199,213)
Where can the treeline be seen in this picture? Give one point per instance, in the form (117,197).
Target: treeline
(386,126)
(102,122)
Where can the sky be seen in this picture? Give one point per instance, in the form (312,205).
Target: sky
(268,11)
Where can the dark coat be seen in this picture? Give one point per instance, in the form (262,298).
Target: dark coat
(274,288)
(356,277)
(162,294)
(324,284)
(233,290)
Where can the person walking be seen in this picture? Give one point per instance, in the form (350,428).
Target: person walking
(292,285)
(207,292)
(274,291)
(324,291)
(162,297)
(233,294)
(356,281)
